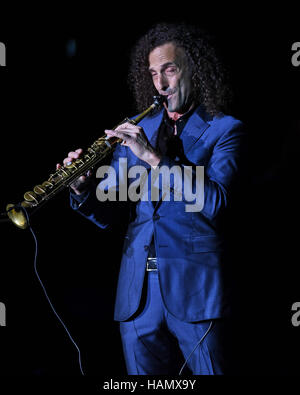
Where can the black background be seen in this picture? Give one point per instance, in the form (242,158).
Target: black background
(52,103)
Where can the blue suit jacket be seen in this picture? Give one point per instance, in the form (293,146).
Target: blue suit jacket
(189,245)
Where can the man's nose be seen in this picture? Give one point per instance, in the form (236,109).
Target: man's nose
(162,82)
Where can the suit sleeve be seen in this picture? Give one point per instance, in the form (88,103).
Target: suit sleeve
(103,213)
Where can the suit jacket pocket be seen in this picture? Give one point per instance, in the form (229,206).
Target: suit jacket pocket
(206,243)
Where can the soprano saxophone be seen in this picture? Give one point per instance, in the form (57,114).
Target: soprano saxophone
(66,175)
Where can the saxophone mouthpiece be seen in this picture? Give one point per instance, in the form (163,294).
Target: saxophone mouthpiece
(159,100)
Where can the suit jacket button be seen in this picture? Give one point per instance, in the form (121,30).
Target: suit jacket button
(146,248)
(156,217)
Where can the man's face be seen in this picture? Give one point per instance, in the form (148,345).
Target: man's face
(171,77)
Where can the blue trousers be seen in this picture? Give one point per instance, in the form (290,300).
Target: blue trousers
(157,343)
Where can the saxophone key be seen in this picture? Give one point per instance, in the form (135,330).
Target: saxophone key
(39,190)
(30,196)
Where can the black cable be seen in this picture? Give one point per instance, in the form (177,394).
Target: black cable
(197,345)
(47,297)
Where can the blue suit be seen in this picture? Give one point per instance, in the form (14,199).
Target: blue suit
(189,245)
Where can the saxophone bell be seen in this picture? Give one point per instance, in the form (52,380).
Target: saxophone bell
(18,215)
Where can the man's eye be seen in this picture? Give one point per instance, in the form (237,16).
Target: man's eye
(171,70)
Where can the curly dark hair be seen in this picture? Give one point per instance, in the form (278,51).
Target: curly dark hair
(211,86)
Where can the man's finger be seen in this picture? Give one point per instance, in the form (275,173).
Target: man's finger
(125,129)
(127,125)
(67,161)
(73,154)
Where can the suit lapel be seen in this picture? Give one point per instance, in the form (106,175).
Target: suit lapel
(196,125)
(192,132)
(151,126)
(194,128)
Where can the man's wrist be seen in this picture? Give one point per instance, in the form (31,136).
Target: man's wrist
(153,158)
(79,192)
(79,195)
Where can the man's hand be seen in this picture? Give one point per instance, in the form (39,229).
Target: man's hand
(80,185)
(134,137)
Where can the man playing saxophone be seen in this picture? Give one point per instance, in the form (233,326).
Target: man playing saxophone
(172,298)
